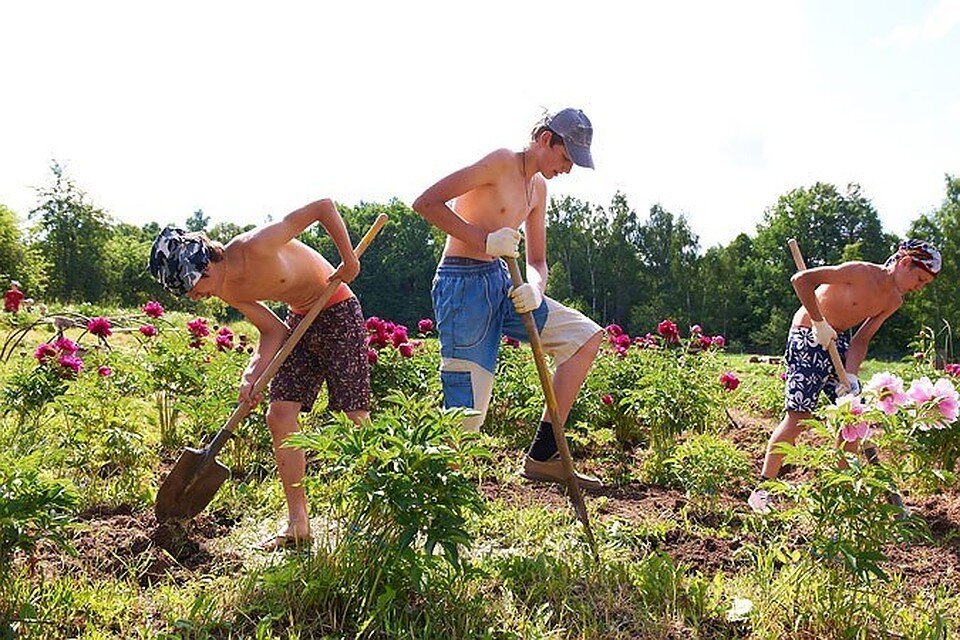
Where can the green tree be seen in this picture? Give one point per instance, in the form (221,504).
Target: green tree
(18,261)
(71,234)
(197,221)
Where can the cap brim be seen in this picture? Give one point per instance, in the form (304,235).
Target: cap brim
(580,155)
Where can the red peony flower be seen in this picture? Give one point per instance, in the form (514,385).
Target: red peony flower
(71,362)
(719,341)
(372,356)
(198,327)
(148,330)
(695,330)
(425,325)
(104,371)
(224,339)
(705,342)
(153,309)
(729,380)
(613,330)
(607,399)
(399,335)
(66,345)
(406,349)
(45,351)
(511,342)
(623,340)
(373,323)
(668,329)
(100,327)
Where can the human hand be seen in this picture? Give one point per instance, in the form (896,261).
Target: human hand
(526,298)
(246,395)
(503,242)
(823,333)
(347,271)
(853,382)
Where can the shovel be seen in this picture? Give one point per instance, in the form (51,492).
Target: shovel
(195,479)
(573,487)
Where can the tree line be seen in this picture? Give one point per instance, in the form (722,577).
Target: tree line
(606,260)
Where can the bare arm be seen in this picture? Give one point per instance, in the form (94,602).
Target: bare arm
(805,283)
(858,345)
(273,332)
(273,236)
(432,203)
(535,233)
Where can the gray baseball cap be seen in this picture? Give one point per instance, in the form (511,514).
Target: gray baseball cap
(574,127)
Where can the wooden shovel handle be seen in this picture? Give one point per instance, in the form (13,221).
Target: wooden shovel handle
(832,347)
(243,408)
(559,433)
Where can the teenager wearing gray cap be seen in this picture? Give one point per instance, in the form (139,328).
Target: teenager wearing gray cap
(473,299)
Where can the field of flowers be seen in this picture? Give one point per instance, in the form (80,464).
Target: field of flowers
(423,531)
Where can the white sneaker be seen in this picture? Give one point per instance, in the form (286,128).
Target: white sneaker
(760,501)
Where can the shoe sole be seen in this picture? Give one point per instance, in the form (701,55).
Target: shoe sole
(584,484)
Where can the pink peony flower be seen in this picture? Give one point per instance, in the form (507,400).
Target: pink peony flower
(198,327)
(224,339)
(66,345)
(952,369)
(854,432)
(622,351)
(948,401)
(388,327)
(373,323)
(607,399)
(153,309)
(623,340)
(406,349)
(695,330)
(705,342)
(377,340)
(668,329)
(719,341)
(100,327)
(921,390)
(71,362)
(372,356)
(783,375)
(104,371)
(919,355)
(729,380)
(148,330)
(888,389)
(613,330)
(511,342)
(44,352)
(425,325)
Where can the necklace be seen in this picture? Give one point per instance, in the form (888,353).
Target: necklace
(527,185)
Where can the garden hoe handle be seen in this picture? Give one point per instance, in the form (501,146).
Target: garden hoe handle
(838,367)
(243,408)
(551,399)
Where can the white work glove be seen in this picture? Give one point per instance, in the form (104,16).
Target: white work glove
(854,383)
(504,242)
(526,297)
(823,333)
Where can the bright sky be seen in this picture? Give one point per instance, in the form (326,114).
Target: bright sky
(712,109)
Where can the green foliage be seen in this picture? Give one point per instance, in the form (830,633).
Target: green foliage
(703,464)
(32,508)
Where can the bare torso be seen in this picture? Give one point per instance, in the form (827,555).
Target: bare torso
(294,274)
(867,291)
(503,202)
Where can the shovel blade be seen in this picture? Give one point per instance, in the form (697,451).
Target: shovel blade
(190,486)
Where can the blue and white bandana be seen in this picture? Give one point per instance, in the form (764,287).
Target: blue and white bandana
(177,260)
(923,254)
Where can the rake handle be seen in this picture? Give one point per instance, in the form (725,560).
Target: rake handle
(832,351)
(553,410)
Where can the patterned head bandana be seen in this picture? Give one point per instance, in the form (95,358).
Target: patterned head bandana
(923,254)
(177,260)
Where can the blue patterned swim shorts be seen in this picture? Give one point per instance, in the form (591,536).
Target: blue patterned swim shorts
(809,370)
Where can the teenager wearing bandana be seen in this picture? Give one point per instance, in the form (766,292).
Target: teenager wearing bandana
(852,295)
(269,263)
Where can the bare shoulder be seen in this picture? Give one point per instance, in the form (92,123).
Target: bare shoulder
(498,159)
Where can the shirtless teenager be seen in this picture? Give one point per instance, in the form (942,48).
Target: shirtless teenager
(268,263)
(494,197)
(850,294)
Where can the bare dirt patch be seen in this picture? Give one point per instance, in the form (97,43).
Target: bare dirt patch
(120,542)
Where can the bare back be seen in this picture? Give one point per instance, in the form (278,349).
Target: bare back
(858,291)
(504,200)
(294,274)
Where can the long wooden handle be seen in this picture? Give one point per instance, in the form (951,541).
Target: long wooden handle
(243,408)
(832,347)
(559,434)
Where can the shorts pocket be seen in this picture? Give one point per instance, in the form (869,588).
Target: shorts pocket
(457,389)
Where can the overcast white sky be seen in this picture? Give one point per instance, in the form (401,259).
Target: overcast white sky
(248,109)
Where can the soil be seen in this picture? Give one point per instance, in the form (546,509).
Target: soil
(121,542)
(925,564)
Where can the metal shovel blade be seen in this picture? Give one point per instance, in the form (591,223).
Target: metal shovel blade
(190,486)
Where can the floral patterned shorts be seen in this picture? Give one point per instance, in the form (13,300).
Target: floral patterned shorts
(809,370)
(334,349)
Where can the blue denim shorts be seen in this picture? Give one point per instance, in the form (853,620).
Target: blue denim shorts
(809,369)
